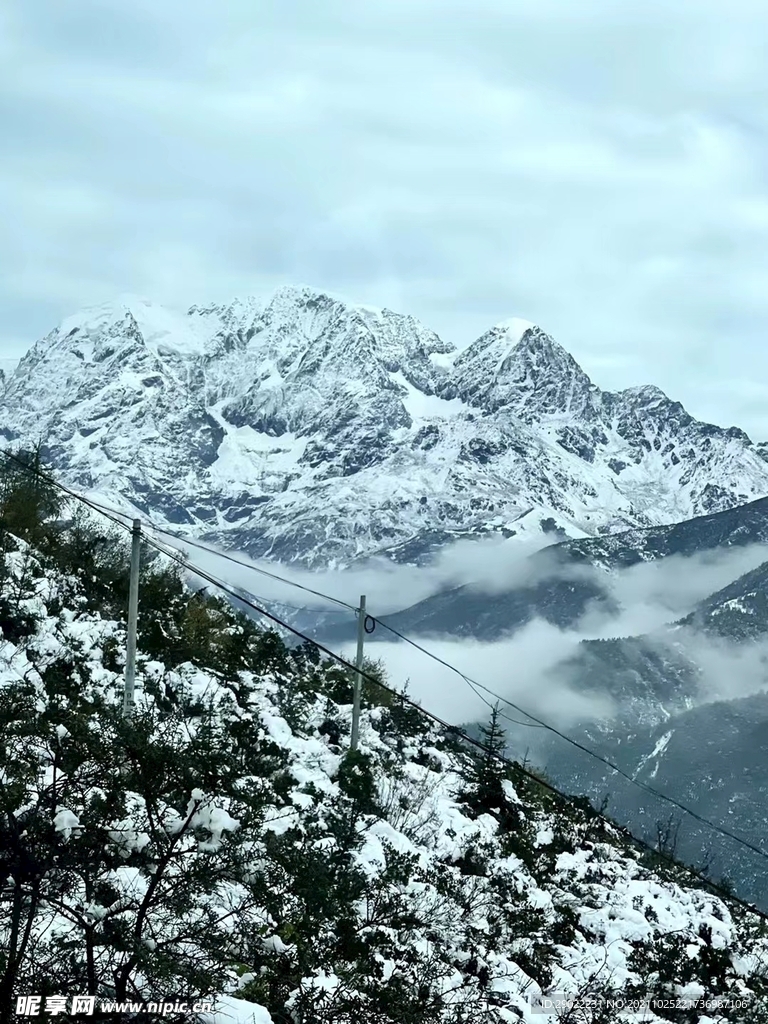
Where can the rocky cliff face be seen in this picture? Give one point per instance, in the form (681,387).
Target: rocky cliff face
(305,429)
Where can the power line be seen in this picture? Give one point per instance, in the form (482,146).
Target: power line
(505,760)
(148,524)
(236,561)
(111,513)
(36,471)
(537,722)
(540,724)
(543,725)
(255,568)
(649,789)
(472,683)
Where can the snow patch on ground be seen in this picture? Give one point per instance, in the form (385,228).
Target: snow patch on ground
(421,406)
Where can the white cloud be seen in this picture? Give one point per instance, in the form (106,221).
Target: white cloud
(522,670)
(596,167)
(528,668)
(651,594)
(648,594)
(490,564)
(729,670)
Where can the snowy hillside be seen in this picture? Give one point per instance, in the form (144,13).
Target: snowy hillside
(673,699)
(226,841)
(309,430)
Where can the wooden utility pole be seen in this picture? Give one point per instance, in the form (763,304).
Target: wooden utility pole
(358,686)
(133,619)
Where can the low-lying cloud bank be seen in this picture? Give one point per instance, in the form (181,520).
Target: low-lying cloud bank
(533,670)
(529,667)
(491,565)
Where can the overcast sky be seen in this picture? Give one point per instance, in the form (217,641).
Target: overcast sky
(598,167)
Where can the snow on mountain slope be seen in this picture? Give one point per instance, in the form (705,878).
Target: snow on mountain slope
(109,394)
(738,612)
(406,876)
(306,429)
(518,367)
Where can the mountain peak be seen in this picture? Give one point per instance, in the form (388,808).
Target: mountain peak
(518,366)
(129,331)
(307,327)
(101,314)
(92,318)
(644,393)
(516,347)
(514,328)
(293,295)
(536,351)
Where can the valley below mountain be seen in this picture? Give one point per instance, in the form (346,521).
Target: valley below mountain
(688,700)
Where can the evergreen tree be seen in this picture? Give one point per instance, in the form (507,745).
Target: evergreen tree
(488,769)
(28,499)
(135,872)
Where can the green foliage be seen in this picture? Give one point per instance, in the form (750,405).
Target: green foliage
(28,502)
(376,690)
(176,626)
(141,816)
(339,683)
(357,782)
(488,769)
(726,885)
(405,726)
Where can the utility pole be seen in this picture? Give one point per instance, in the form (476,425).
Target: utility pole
(358,687)
(133,618)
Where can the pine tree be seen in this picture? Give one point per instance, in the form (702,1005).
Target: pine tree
(28,501)
(489,770)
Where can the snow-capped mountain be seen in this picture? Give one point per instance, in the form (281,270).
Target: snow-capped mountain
(310,430)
